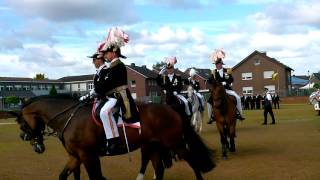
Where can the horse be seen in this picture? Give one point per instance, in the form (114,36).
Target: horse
(224,112)
(162,132)
(197,113)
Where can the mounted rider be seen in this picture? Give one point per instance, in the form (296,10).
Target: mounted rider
(110,87)
(224,76)
(172,83)
(194,83)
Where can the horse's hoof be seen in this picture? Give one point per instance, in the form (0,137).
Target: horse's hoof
(224,157)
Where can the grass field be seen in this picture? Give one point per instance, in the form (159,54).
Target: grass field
(288,150)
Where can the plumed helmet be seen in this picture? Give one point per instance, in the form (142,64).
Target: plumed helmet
(192,72)
(114,41)
(217,56)
(171,61)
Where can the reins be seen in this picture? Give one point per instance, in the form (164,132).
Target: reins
(69,119)
(76,107)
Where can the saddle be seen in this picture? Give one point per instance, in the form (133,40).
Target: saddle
(116,114)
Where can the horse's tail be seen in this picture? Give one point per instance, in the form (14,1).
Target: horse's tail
(199,154)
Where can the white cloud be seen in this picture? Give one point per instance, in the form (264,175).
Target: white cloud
(73,10)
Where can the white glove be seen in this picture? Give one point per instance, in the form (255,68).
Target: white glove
(163,70)
(92,93)
(224,83)
(82,98)
(175,93)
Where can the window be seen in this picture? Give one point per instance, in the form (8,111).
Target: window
(267,74)
(26,88)
(18,87)
(90,86)
(247,76)
(1,88)
(247,90)
(257,62)
(133,83)
(9,88)
(271,88)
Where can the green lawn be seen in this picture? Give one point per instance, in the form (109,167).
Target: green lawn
(288,150)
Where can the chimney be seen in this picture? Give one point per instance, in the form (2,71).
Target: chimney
(133,64)
(144,66)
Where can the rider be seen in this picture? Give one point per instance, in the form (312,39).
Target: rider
(171,83)
(110,87)
(223,76)
(194,83)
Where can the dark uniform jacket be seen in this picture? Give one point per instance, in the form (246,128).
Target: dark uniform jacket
(112,82)
(170,86)
(224,78)
(194,83)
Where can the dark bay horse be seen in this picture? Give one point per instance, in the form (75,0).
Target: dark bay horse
(224,112)
(163,132)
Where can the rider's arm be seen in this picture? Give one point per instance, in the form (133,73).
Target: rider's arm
(179,85)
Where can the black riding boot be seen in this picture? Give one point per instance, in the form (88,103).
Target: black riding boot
(211,120)
(114,146)
(240,117)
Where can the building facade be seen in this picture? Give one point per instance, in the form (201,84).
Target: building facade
(258,71)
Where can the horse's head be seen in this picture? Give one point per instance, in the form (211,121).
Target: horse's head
(218,92)
(31,126)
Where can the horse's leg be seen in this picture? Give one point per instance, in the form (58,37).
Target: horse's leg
(222,138)
(144,161)
(232,136)
(72,166)
(157,164)
(92,165)
(76,173)
(200,121)
(226,135)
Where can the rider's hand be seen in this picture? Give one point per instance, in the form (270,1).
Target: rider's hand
(175,93)
(82,98)
(224,83)
(92,93)
(163,70)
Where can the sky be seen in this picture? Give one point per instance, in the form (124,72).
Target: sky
(55,37)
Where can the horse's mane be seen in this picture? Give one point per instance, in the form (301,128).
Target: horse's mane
(58,96)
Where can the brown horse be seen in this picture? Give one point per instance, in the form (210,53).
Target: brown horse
(224,112)
(163,132)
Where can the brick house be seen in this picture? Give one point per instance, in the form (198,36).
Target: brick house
(142,83)
(258,71)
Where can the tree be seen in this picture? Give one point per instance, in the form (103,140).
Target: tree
(316,86)
(40,77)
(12,100)
(53,91)
(159,65)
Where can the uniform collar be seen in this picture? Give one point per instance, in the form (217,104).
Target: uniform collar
(101,67)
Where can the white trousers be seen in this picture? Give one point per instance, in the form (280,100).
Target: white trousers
(185,101)
(201,98)
(108,121)
(233,93)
